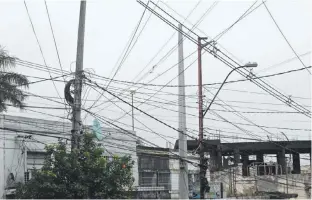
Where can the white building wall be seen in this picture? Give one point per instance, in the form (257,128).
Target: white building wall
(13,145)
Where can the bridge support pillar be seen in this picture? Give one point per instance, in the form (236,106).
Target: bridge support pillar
(245,159)
(213,159)
(296,163)
(281,161)
(260,159)
(225,162)
(219,157)
(236,157)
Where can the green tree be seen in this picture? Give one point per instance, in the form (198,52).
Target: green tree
(82,174)
(10,83)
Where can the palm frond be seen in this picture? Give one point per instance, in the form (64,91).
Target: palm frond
(6,61)
(9,83)
(12,94)
(13,98)
(14,79)
(8,88)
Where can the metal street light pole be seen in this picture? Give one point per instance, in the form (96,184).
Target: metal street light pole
(215,96)
(203,164)
(248,65)
(201,114)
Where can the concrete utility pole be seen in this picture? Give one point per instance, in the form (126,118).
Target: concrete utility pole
(132,93)
(202,172)
(183,177)
(76,122)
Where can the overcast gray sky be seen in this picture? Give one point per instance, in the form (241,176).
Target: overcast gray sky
(109,25)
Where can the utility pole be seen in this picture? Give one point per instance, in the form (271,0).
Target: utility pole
(132,93)
(204,185)
(76,122)
(183,176)
(202,172)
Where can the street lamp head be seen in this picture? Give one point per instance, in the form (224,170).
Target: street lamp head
(254,64)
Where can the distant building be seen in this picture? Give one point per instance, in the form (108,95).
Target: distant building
(156,170)
(22,142)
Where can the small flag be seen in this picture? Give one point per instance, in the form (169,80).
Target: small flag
(97,130)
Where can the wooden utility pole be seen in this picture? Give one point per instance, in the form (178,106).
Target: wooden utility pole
(202,172)
(76,122)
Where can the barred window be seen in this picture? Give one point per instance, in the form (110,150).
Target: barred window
(146,163)
(155,163)
(164,179)
(155,179)
(147,179)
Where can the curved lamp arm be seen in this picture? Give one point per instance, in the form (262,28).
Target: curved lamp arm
(285,136)
(215,96)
